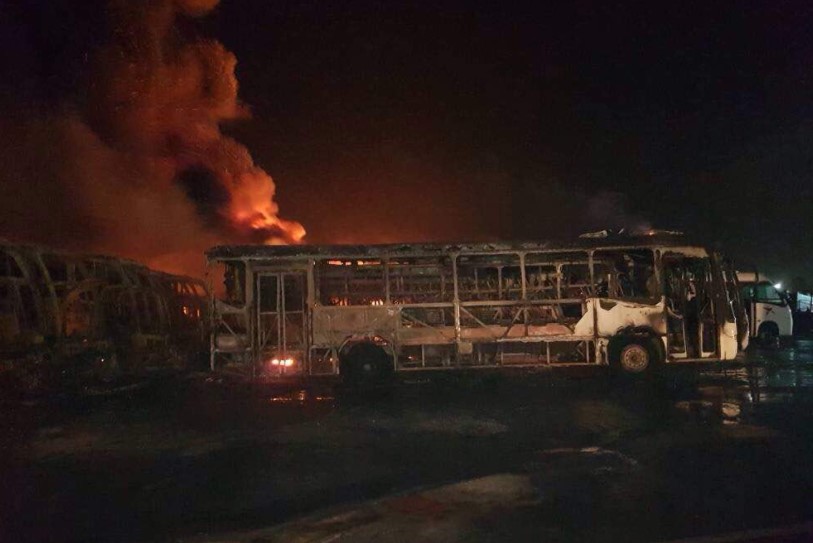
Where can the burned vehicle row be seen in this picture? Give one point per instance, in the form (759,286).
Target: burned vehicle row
(93,314)
(364,312)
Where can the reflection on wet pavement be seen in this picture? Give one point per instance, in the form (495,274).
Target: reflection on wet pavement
(703,449)
(300,396)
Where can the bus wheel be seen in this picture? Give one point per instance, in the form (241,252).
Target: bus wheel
(768,335)
(634,355)
(365,365)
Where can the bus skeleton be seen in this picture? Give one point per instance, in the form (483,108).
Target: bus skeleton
(366,311)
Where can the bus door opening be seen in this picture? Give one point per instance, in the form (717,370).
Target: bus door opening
(280,331)
(691,320)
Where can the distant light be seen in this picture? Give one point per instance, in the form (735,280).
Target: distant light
(778,286)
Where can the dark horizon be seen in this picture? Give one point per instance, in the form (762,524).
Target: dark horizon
(472,121)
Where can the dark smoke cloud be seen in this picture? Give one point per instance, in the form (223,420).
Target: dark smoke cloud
(204,189)
(608,209)
(544,207)
(127,156)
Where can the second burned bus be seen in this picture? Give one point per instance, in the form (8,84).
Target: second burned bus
(364,312)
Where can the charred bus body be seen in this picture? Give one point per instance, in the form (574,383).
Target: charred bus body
(93,313)
(364,312)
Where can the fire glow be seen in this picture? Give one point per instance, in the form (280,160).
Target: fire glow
(158,97)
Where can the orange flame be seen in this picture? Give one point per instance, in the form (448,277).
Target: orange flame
(166,98)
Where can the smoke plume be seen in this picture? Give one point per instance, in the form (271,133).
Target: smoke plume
(608,209)
(135,160)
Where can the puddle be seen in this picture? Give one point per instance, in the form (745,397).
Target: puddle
(727,412)
(300,396)
(607,455)
(462,425)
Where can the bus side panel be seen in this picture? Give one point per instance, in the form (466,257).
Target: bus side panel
(333,324)
(613,316)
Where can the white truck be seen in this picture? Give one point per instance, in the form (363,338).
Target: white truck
(769,313)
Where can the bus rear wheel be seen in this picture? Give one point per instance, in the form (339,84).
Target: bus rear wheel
(366,365)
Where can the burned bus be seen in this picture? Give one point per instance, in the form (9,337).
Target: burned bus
(365,312)
(63,310)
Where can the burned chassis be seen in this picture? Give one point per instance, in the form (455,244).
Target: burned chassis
(89,316)
(317,334)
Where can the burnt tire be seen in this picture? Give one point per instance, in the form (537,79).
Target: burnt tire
(366,365)
(768,335)
(636,355)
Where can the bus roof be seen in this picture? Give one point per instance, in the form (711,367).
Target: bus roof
(229,252)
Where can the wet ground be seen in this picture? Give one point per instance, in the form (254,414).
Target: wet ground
(562,454)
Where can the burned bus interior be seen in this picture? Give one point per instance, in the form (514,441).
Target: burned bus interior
(301,310)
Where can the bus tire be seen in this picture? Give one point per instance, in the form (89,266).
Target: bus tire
(635,355)
(768,335)
(366,365)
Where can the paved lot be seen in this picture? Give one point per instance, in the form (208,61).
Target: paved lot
(568,455)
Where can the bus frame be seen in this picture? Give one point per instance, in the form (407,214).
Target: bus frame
(57,308)
(276,318)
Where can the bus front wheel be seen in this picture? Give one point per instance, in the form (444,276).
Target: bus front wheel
(634,355)
(768,335)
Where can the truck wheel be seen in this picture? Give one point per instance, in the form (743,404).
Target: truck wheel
(366,365)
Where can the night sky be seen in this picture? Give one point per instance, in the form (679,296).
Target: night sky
(460,120)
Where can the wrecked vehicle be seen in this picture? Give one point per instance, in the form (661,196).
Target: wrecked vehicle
(92,316)
(364,312)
